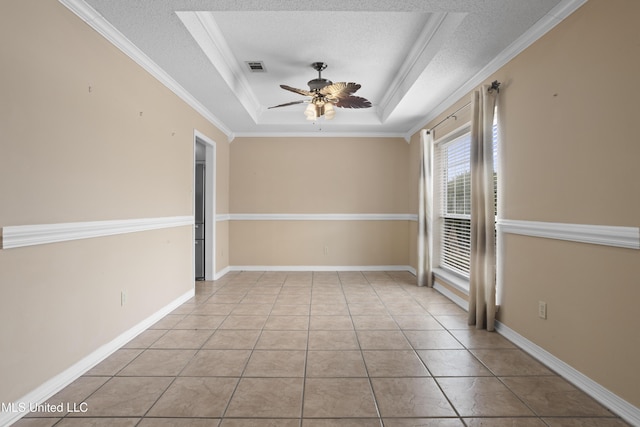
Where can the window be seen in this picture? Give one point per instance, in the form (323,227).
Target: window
(453,169)
(455,204)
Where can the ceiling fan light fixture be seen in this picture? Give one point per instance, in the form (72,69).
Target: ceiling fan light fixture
(329,111)
(325,95)
(310,112)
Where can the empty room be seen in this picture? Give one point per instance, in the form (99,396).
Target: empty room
(313,214)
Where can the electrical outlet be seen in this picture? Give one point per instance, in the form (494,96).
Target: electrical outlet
(123,298)
(542,309)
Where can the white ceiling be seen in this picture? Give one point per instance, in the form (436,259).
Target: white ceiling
(413,58)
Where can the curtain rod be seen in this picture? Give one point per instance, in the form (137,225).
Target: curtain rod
(495,85)
(447,118)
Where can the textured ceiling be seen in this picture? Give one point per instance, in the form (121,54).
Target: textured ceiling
(411,57)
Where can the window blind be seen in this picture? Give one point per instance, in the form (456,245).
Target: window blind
(455,168)
(495,165)
(453,160)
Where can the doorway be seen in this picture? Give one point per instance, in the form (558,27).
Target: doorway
(204,205)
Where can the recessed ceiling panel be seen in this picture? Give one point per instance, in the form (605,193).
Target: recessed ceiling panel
(365,47)
(352,43)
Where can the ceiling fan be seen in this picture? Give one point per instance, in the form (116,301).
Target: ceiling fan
(325,94)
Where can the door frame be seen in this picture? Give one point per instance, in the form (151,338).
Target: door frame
(209,202)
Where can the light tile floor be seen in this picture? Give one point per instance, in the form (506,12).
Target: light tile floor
(321,349)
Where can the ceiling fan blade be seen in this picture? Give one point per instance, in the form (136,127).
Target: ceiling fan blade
(353,102)
(302,101)
(340,89)
(298,91)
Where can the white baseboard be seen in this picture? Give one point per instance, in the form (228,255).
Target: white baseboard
(320,268)
(221,273)
(411,270)
(616,404)
(66,377)
(453,297)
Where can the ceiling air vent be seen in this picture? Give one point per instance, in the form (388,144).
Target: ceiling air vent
(256,66)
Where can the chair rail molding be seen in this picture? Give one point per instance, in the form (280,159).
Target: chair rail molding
(608,235)
(321,217)
(406,268)
(40,234)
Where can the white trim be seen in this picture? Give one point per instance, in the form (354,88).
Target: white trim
(459,283)
(436,30)
(623,237)
(320,134)
(207,34)
(115,37)
(320,268)
(40,234)
(453,297)
(210,201)
(323,217)
(616,404)
(104,28)
(454,134)
(66,377)
(544,25)
(221,273)
(223,217)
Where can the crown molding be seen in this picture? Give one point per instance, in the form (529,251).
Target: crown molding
(319,134)
(435,32)
(96,21)
(206,32)
(233,71)
(544,25)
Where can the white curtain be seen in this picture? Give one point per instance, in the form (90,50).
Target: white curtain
(425,211)
(482,282)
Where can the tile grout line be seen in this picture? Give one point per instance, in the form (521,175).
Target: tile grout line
(306,355)
(373,392)
(435,380)
(493,375)
(458,416)
(235,389)
(345,290)
(186,364)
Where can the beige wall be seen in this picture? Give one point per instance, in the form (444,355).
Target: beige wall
(221,255)
(303,243)
(570,155)
(222,246)
(319,176)
(122,149)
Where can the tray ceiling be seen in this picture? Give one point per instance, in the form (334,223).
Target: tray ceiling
(412,58)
